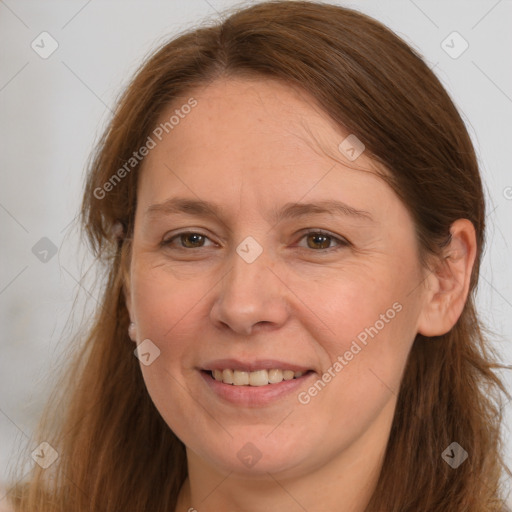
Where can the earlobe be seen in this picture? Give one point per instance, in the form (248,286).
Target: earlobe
(126,288)
(126,293)
(124,274)
(132,331)
(132,328)
(128,301)
(448,284)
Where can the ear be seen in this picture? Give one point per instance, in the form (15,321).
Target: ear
(447,284)
(126,280)
(128,299)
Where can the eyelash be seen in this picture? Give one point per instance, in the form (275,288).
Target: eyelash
(341,241)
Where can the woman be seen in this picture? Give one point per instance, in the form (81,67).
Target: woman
(290,213)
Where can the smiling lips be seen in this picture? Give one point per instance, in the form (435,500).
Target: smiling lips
(254,382)
(255,372)
(254,378)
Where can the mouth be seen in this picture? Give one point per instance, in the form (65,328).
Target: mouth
(262,377)
(255,384)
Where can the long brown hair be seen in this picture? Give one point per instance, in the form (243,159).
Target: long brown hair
(115,451)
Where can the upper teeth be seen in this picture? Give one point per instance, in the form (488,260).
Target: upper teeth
(257,378)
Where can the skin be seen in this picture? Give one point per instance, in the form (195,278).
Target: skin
(250,146)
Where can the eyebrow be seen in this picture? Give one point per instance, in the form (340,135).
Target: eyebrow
(177,205)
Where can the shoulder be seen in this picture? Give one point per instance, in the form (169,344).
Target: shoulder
(5,506)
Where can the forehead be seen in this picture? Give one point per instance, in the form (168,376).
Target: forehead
(242,114)
(259,138)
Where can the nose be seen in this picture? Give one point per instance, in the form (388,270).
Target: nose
(251,297)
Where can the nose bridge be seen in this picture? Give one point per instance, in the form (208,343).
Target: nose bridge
(250,293)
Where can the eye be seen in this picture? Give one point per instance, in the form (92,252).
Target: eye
(322,240)
(318,240)
(188,240)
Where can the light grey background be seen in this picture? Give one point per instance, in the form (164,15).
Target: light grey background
(53,110)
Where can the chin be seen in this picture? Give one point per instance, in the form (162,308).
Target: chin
(256,459)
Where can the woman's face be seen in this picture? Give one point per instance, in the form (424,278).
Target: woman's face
(254,250)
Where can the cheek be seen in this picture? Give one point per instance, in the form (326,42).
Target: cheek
(372,325)
(164,311)
(363,377)
(356,301)
(161,302)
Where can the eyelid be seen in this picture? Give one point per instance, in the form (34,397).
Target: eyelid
(168,241)
(341,241)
